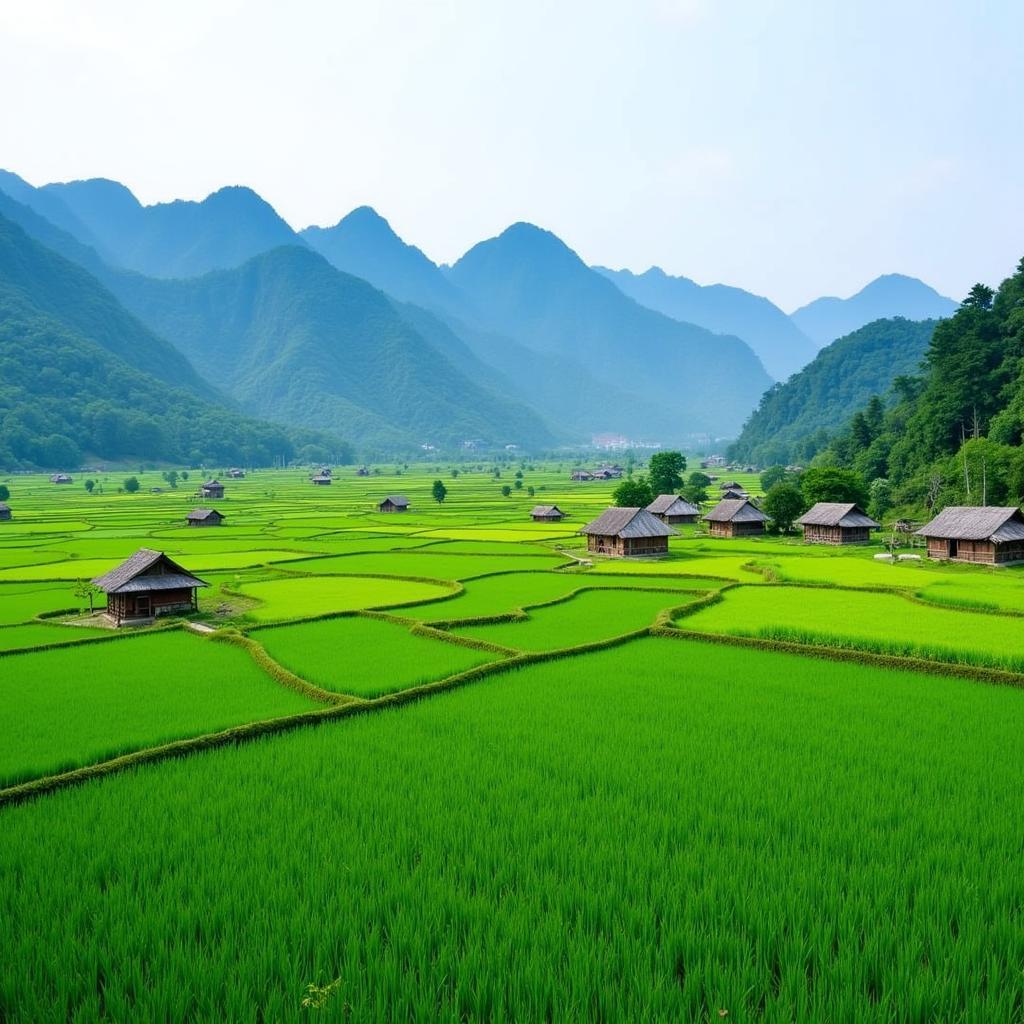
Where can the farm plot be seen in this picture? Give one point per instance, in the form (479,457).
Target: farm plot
(68,707)
(694,829)
(366,657)
(38,634)
(507,592)
(428,566)
(22,601)
(588,617)
(305,596)
(882,623)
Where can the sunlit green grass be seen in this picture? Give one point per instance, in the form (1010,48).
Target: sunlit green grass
(366,657)
(658,832)
(590,616)
(884,623)
(67,707)
(39,634)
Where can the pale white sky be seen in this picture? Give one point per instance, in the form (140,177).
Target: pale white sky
(792,147)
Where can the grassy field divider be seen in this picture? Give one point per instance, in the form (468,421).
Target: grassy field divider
(78,642)
(277,671)
(433,633)
(268,727)
(958,670)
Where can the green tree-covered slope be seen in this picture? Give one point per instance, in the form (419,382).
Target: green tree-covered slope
(798,418)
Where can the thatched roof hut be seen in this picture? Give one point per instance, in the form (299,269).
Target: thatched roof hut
(204,517)
(627,532)
(546,513)
(735,517)
(147,585)
(673,509)
(394,503)
(837,522)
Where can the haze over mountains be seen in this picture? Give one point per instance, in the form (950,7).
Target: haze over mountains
(352,331)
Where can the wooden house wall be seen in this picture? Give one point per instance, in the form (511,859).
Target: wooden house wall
(628,547)
(717,529)
(814,534)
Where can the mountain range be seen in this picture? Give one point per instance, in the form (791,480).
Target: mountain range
(890,295)
(351,330)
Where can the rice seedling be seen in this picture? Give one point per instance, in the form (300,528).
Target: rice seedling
(662,831)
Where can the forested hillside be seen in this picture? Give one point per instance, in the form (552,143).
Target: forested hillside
(797,419)
(296,340)
(79,378)
(954,434)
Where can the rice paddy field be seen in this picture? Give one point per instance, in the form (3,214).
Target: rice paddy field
(444,766)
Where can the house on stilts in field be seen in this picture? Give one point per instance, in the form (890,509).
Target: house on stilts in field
(149,584)
(992,535)
(836,522)
(5,512)
(547,514)
(212,489)
(394,503)
(674,510)
(628,533)
(735,517)
(204,517)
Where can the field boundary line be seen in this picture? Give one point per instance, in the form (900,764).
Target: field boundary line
(957,670)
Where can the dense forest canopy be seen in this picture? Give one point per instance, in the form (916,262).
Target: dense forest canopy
(953,434)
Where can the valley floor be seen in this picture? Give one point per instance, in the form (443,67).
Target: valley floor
(429,766)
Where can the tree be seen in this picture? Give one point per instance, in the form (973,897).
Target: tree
(773,475)
(171,476)
(184,474)
(633,493)
(665,472)
(131,484)
(519,485)
(696,489)
(783,503)
(530,491)
(881,498)
(90,485)
(506,490)
(439,491)
(5,492)
(86,591)
(829,483)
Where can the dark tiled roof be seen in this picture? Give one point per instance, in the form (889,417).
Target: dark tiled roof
(123,579)
(396,499)
(672,505)
(628,522)
(836,513)
(962,522)
(200,514)
(546,510)
(736,510)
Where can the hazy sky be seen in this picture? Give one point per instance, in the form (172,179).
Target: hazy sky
(793,148)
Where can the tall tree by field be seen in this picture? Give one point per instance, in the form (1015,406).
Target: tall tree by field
(4,492)
(696,489)
(783,503)
(829,483)
(131,484)
(439,491)
(665,472)
(633,492)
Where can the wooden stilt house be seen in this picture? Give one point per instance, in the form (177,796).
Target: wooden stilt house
(831,522)
(735,517)
(674,510)
(628,533)
(992,535)
(147,585)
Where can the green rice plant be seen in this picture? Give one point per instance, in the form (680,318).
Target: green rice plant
(423,565)
(307,596)
(76,705)
(365,656)
(656,832)
(886,624)
(13,638)
(588,617)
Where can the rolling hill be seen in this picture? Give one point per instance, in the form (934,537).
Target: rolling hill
(79,376)
(891,295)
(780,345)
(797,419)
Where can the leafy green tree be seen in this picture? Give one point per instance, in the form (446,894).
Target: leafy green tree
(519,485)
(830,483)
(773,475)
(881,502)
(90,485)
(439,491)
(633,493)
(506,490)
(184,475)
(171,476)
(783,503)
(665,472)
(530,491)
(5,492)
(131,484)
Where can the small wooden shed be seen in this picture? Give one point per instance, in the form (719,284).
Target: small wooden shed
(836,522)
(236,474)
(394,503)
(204,517)
(993,535)
(735,517)
(580,475)
(147,585)
(212,489)
(547,514)
(61,478)
(733,494)
(673,509)
(5,512)
(730,485)
(628,533)
(322,480)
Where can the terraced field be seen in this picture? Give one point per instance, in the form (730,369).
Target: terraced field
(531,792)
